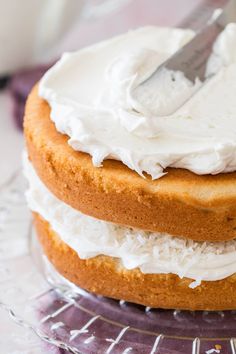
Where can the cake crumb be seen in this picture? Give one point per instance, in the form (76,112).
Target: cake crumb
(216,350)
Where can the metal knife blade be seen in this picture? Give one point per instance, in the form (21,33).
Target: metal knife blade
(192,58)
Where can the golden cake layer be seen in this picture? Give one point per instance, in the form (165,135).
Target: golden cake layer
(106,276)
(202,208)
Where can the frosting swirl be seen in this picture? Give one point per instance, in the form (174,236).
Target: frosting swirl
(93,100)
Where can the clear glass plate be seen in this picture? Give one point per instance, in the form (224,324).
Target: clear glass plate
(64,317)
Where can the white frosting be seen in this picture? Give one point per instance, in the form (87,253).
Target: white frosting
(91,94)
(150,252)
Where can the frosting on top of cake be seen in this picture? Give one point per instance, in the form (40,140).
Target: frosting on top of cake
(93,100)
(157,253)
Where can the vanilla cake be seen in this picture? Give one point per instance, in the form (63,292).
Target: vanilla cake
(133,193)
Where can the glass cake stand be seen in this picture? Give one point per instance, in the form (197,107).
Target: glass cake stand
(41,312)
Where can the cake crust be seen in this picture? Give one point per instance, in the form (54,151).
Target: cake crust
(106,276)
(202,208)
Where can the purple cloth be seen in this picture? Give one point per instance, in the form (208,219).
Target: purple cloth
(19,87)
(3,82)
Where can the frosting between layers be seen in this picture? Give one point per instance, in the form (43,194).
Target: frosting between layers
(150,252)
(91,94)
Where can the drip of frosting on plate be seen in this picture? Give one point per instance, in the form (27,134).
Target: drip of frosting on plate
(151,252)
(91,94)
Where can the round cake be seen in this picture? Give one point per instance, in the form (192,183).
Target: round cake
(133,193)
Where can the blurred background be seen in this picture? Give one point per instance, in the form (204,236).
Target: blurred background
(34,33)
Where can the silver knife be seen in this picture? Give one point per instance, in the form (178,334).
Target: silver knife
(192,58)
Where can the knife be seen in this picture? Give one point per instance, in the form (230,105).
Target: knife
(192,58)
